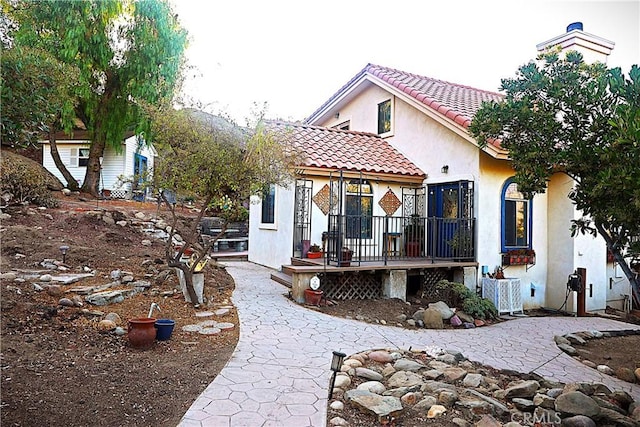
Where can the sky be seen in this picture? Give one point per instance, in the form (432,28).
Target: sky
(293,55)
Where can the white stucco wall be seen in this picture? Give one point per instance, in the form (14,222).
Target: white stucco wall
(618,287)
(591,253)
(494,174)
(272,244)
(430,145)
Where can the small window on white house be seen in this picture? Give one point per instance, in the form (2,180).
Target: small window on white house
(269,204)
(384,117)
(343,125)
(79,157)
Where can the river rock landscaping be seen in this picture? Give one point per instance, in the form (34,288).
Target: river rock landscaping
(433,386)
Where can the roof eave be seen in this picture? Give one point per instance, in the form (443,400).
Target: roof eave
(382,176)
(458,124)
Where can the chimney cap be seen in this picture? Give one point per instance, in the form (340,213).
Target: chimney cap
(574,26)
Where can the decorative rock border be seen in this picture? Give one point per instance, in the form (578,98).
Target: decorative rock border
(392,384)
(568,343)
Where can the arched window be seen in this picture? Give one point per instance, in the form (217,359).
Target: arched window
(516,218)
(359,209)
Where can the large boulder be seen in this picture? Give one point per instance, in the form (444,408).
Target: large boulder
(443,308)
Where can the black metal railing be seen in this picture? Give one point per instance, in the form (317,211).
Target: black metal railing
(357,239)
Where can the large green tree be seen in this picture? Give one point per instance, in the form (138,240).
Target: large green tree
(217,164)
(36,90)
(127,52)
(583,120)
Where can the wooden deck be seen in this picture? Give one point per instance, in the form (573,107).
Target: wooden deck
(306,265)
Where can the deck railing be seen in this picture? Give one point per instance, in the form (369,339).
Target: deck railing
(384,238)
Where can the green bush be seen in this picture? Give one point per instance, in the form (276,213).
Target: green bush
(470,302)
(480,308)
(24,180)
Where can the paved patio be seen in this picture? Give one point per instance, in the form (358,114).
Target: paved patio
(279,372)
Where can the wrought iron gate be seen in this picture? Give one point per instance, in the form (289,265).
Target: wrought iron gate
(302,217)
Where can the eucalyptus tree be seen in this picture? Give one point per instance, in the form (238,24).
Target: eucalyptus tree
(126,51)
(583,120)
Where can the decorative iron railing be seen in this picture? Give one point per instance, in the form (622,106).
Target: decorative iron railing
(358,239)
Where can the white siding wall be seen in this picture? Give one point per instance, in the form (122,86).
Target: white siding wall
(64,149)
(113,164)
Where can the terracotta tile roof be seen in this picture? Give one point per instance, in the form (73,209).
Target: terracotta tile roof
(454,101)
(329,148)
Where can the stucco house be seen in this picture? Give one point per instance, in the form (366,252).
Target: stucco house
(462,196)
(132,159)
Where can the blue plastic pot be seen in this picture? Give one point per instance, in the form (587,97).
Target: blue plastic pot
(164,328)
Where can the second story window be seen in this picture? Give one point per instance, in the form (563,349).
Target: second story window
(384,117)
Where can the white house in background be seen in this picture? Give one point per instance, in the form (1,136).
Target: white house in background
(465,188)
(133,158)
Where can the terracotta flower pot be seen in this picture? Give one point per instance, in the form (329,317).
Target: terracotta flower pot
(142,332)
(312,297)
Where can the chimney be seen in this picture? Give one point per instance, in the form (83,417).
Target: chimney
(592,48)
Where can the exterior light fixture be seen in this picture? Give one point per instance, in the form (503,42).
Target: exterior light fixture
(337,115)
(445,169)
(336,364)
(64,250)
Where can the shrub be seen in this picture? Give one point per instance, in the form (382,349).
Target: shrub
(471,303)
(24,180)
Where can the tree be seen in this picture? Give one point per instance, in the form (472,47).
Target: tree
(127,52)
(39,95)
(563,115)
(217,164)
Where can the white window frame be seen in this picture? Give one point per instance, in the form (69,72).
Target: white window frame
(74,157)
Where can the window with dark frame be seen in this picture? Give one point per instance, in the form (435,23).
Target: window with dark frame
(384,117)
(269,204)
(516,218)
(343,125)
(83,157)
(359,209)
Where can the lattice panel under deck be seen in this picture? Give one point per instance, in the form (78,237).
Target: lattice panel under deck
(429,291)
(353,286)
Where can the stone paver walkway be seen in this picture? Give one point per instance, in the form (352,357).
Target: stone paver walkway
(279,372)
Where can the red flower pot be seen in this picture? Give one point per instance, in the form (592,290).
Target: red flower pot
(312,297)
(142,332)
(314,255)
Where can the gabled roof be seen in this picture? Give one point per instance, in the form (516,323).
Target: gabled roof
(334,149)
(454,102)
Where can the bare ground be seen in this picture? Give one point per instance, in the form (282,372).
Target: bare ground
(57,368)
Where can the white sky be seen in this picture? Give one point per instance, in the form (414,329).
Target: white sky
(295,54)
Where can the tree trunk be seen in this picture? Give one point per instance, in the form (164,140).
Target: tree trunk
(188,280)
(631,276)
(92,176)
(72,184)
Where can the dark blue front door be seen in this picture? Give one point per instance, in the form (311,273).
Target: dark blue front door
(444,211)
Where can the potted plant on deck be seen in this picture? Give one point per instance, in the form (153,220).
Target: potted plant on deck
(414,236)
(315,251)
(345,257)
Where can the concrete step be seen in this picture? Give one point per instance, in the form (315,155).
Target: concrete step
(282,278)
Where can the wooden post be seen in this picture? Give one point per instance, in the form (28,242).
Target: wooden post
(582,293)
